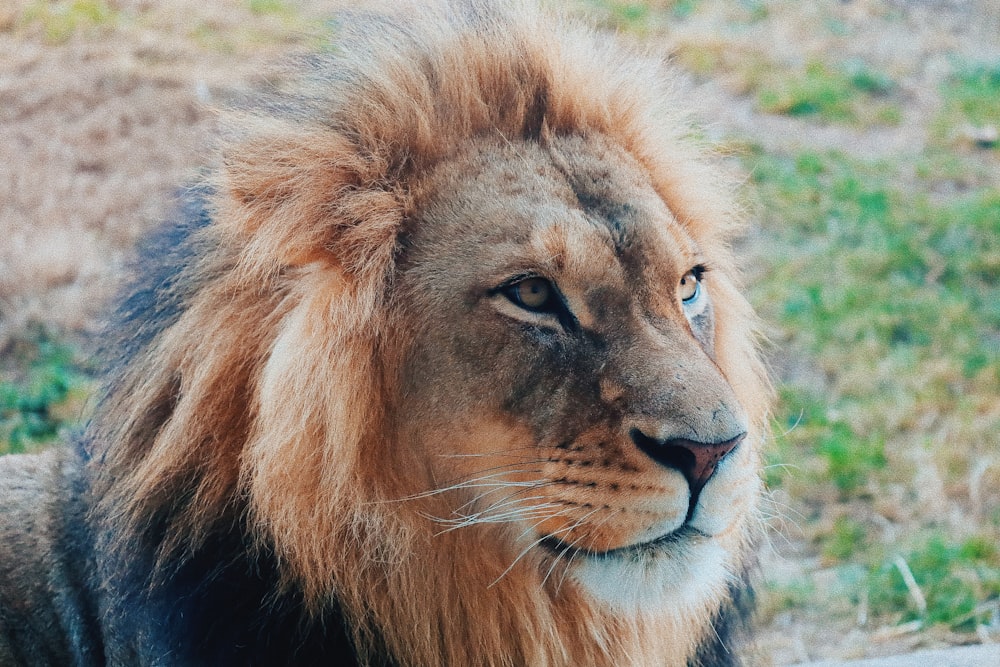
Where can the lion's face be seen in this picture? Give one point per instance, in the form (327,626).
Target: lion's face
(562,382)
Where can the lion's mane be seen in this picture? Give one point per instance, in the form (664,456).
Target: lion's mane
(246,412)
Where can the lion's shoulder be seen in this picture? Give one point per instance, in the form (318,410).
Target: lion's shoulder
(46,598)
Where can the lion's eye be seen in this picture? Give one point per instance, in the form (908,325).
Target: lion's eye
(694,298)
(690,287)
(535,294)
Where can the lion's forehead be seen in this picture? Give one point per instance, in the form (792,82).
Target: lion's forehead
(582,214)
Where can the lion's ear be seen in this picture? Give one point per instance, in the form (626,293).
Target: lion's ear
(296,195)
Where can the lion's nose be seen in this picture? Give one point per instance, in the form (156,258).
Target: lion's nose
(695,460)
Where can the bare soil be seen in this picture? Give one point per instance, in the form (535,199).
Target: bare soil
(98,130)
(101,124)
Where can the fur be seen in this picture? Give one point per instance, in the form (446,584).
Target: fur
(326,435)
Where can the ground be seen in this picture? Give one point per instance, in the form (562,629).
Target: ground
(867,135)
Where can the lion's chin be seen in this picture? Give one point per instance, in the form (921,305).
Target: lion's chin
(670,571)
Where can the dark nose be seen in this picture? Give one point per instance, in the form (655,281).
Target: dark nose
(695,460)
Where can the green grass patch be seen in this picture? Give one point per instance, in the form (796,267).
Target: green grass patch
(895,298)
(827,451)
(683,8)
(874,274)
(852,93)
(45,398)
(847,540)
(61,19)
(850,458)
(949,586)
(970,107)
(974,93)
(892,298)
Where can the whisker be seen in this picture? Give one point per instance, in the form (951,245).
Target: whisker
(506,467)
(483,481)
(570,545)
(521,489)
(531,546)
(502,517)
(511,517)
(795,425)
(510,499)
(516,495)
(782,509)
(492,513)
(498,452)
(576,553)
(787,466)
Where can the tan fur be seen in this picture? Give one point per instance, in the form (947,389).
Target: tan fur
(276,395)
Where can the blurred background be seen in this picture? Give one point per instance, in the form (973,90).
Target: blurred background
(867,135)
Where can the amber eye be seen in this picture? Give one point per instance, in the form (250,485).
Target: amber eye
(536,294)
(690,287)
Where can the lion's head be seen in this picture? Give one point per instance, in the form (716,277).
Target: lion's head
(560,376)
(463,348)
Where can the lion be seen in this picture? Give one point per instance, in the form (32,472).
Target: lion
(447,364)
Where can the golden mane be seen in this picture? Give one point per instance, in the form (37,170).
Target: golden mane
(260,401)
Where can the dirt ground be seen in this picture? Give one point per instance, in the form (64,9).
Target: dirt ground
(98,129)
(108,107)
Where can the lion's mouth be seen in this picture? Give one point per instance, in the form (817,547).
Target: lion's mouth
(658,545)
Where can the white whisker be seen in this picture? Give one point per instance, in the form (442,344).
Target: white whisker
(511,516)
(569,545)
(483,481)
(499,452)
(577,552)
(532,545)
(521,489)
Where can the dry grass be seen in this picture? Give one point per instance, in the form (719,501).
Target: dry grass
(106,109)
